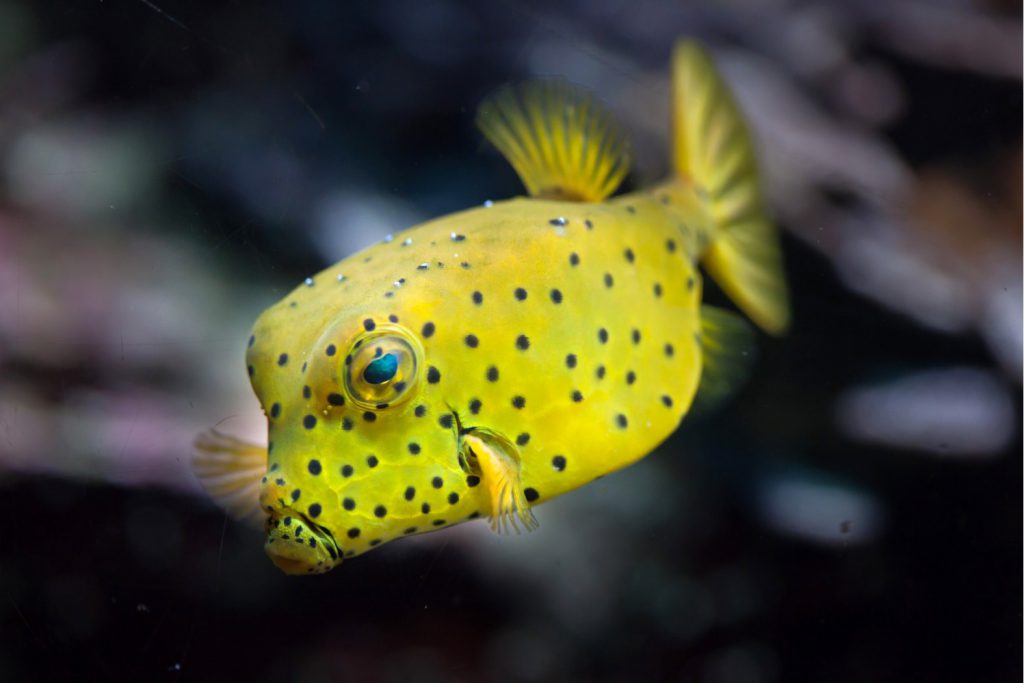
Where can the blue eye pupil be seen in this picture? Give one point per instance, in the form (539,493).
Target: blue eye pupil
(381,370)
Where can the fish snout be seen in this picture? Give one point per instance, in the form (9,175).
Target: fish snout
(298,546)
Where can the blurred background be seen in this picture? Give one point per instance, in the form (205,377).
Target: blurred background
(170,168)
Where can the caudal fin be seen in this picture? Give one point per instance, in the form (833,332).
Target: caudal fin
(713,149)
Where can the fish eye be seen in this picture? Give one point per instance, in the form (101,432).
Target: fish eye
(382,368)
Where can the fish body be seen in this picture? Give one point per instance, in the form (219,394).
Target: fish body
(492,359)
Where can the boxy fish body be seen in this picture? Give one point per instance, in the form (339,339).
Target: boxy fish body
(492,359)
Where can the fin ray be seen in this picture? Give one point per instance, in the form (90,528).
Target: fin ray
(713,148)
(230,471)
(559,141)
(729,351)
(498,461)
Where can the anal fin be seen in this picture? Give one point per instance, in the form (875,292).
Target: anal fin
(230,471)
(498,461)
(729,349)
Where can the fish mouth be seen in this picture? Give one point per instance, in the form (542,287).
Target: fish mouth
(297,545)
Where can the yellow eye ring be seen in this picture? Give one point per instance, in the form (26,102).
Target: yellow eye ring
(383,367)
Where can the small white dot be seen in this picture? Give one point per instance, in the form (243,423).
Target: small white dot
(308,281)
(340,278)
(488,203)
(407,241)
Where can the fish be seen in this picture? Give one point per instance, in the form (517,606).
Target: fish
(490,360)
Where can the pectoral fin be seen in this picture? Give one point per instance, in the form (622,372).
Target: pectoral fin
(230,470)
(497,460)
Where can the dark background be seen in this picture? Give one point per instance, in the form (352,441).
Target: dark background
(168,169)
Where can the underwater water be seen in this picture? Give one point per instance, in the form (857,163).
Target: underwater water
(170,169)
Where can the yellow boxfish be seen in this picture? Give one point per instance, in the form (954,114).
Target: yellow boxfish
(492,359)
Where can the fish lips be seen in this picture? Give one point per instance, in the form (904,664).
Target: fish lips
(296,545)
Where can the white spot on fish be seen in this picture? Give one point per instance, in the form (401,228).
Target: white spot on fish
(423,266)
(457,237)
(309,281)
(488,203)
(340,278)
(407,241)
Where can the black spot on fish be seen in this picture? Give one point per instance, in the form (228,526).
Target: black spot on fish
(369,325)
(420,411)
(437,482)
(478,298)
(414,448)
(657,289)
(445,421)
(523,439)
(410,493)
(558,462)
(630,377)
(453,498)
(393,318)
(472,480)
(492,374)
(570,361)
(621,421)
(577,396)
(282,359)
(314,467)
(600,372)
(574,259)
(630,256)
(346,424)
(518,402)
(520,294)
(370,416)
(371,461)
(608,280)
(331,349)
(433,375)
(669,350)
(531,494)
(309,422)
(346,471)
(353,532)
(671,246)
(522,342)
(336,399)
(348,504)
(314,510)
(380,511)
(275,410)
(428,329)
(636,336)
(472,341)
(556,296)
(666,401)
(602,335)
(474,406)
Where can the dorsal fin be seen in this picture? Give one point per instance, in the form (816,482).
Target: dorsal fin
(230,470)
(729,351)
(561,142)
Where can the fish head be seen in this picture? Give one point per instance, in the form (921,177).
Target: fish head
(362,447)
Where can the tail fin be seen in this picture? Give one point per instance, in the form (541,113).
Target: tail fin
(712,148)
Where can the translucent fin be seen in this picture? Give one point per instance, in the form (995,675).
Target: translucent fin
(230,470)
(728,344)
(712,148)
(559,140)
(498,461)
